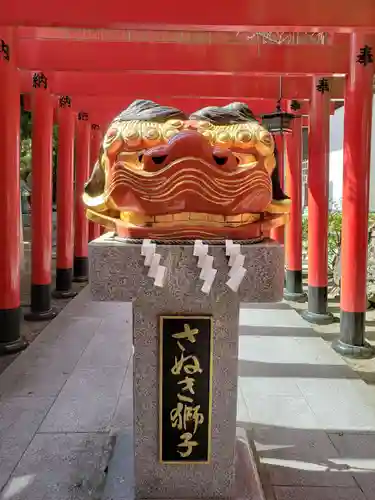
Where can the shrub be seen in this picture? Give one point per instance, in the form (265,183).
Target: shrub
(334,233)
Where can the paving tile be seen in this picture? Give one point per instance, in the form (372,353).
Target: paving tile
(320,352)
(119,324)
(106,350)
(287,472)
(355,446)
(243,416)
(127,386)
(123,417)
(64,351)
(366,481)
(79,330)
(120,479)
(316,493)
(265,305)
(266,386)
(277,331)
(270,349)
(43,368)
(357,453)
(102,381)
(19,421)
(300,457)
(317,351)
(294,442)
(281,411)
(84,414)
(64,327)
(340,404)
(34,382)
(289,350)
(52,330)
(88,401)
(297,371)
(272,317)
(60,467)
(83,306)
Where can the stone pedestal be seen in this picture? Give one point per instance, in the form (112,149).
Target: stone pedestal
(117,272)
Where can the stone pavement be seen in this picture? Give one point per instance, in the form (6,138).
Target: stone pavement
(30,329)
(312,417)
(365,368)
(67,399)
(61,399)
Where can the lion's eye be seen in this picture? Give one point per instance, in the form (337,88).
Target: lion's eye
(245,159)
(112,132)
(130,158)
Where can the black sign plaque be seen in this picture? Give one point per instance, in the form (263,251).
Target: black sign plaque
(185,389)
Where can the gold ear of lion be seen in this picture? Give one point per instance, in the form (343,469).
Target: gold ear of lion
(279,207)
(96,183)
(94,188)
(97,202)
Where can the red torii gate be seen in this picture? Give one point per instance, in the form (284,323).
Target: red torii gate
(102,110)
(102,95)
(96,56)
(188,83)
(224,84)
(358,98)
(170,84)
(289,15)
(108,108)
(111,106)
(213,58)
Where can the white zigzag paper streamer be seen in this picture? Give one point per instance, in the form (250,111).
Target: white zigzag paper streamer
(152,260)
(236,262)
(148,251)
(205,263)
(154,265)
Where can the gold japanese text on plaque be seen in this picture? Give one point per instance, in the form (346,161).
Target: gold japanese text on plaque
(185,389)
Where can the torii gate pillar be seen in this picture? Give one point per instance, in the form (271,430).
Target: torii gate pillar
(293,233)
(10,307)
(318,183)
(355,206)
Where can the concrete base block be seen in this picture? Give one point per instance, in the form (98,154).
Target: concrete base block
(120,484)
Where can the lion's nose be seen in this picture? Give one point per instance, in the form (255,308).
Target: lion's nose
(224,158)
(190,141)
(192,145)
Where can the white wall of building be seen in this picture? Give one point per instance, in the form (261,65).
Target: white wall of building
(336,158)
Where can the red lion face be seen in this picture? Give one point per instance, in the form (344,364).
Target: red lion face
(163,176)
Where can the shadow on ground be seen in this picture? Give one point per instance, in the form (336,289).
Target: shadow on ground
(296,462)
(365,368)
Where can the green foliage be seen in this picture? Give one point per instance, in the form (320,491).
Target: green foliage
(305,231)
(25,157)
(371,219)
(26,145)
(334,233)
(334,236)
